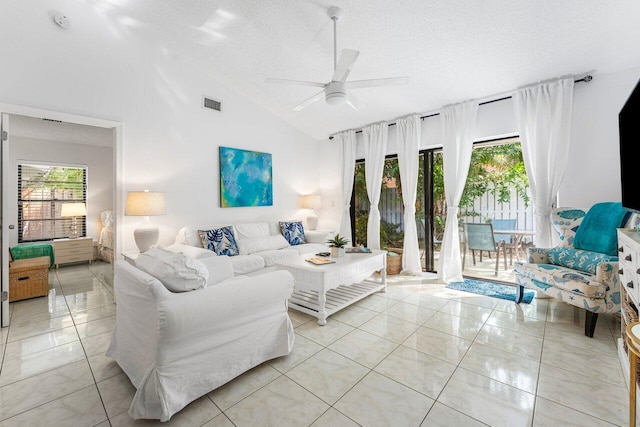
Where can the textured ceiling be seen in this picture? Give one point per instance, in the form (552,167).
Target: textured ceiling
(451,50)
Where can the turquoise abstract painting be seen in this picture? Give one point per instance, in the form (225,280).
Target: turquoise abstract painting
(246,178)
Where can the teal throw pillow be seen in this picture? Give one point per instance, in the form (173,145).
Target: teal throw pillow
(219,240)
(597,232)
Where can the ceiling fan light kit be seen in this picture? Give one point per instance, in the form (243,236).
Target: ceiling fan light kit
(336,93)
(338,90)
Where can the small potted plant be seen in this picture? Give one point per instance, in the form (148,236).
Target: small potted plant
(337,244)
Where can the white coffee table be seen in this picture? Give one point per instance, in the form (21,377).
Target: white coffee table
(321,290)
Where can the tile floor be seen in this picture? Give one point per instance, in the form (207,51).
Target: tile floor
(419,355)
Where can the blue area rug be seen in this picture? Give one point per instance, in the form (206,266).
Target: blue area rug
(491,289)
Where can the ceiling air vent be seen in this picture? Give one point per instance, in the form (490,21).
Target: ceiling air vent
(211,104)
(52,120)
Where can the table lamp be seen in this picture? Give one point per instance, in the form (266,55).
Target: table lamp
(73,211)
(145,203)
(311,201)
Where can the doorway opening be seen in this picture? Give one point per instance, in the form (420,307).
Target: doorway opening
(45,139)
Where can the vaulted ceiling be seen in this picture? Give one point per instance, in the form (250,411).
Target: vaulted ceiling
(450,50)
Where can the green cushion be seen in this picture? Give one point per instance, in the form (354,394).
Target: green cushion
(597,232)
(32,250)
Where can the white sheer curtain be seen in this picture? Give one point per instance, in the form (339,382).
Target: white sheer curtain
(544,122)
(408,151)
(347,160)
(375,147)
(458,130)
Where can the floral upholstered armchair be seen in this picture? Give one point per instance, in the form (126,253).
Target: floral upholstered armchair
(583,269)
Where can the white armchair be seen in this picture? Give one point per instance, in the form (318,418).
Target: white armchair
(176,347)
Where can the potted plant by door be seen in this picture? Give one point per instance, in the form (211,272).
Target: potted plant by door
(337,244)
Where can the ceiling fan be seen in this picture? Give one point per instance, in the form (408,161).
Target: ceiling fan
(338,90)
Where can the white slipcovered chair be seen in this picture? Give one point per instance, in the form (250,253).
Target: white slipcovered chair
(178,346)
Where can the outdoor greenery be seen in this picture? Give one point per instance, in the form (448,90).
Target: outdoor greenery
(54,180)
(42,190)
(390,236)
(495,169)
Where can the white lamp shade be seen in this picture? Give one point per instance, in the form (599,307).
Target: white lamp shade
(73,209)
(144,203)
(310,201)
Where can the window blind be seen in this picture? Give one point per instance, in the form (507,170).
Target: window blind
(42,190)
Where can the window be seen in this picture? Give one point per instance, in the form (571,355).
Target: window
(42,190)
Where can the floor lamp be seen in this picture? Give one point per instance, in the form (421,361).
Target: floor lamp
(73,211)
(145,203)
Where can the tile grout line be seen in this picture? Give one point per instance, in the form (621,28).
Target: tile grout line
(66,364)
(46,403)
(95,383)
(437,399)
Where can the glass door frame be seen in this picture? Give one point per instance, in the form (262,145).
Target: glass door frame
(427,202)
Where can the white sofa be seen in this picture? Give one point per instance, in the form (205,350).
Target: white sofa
(176,347)
(258,243)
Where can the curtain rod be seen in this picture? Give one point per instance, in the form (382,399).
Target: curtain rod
(585,79)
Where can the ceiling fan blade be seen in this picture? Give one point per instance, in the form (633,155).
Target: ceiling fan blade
(294,82)
(345,63)
(352,101)
(392,81)
(309,101)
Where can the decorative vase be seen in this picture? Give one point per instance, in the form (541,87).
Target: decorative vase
(337,252)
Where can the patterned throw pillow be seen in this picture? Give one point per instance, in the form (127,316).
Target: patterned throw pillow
(293,232)
(566,222)
(219,240)
(577,259)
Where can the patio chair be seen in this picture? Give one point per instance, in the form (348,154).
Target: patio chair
(503,224)
(509,242)
(479,237)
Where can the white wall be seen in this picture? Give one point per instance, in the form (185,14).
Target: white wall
(99,162)
(170,143)
(593,173)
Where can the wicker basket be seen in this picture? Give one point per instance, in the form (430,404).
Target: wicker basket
(628,314)
(28,278)
(394,263)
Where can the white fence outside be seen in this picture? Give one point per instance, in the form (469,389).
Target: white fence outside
(487,206)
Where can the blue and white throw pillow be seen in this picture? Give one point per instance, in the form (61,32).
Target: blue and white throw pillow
(293,232)
(219,240)
(566,221)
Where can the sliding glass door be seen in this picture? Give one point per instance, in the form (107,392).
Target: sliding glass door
(497,191)
(392,208)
